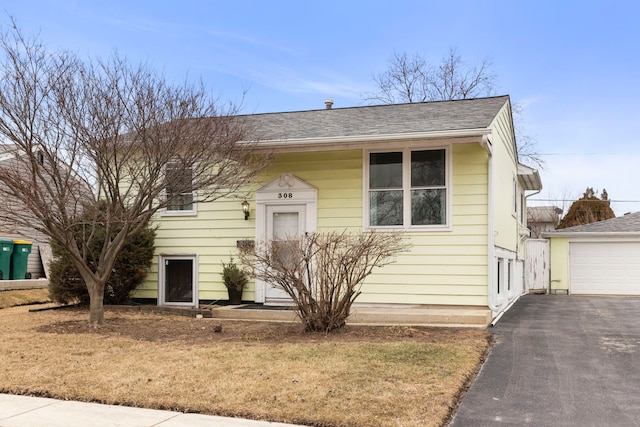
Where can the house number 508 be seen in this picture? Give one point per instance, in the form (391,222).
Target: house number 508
(285,195)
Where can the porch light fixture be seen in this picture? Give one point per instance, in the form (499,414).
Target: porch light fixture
(245,209)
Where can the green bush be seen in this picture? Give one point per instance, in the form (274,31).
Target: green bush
(233,277)
(129,270)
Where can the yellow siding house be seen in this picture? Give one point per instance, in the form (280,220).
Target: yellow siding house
(445,173)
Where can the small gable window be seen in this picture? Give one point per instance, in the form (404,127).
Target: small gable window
(407,188)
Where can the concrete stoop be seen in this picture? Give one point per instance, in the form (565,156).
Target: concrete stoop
(406,316)
(235,312)
(470,317)
(452,317)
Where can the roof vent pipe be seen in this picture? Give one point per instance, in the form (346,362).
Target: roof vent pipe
(328,103)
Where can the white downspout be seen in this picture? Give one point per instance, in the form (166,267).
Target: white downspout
(532,194)
(491,229)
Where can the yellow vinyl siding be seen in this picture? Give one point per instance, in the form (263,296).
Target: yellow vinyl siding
(505,171)
(338,178)
(559,263)
(443,267)
(213,233)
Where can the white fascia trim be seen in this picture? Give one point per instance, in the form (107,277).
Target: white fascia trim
(344,141)
(629,235)
(486,144)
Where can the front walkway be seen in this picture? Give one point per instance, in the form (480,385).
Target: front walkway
(25,411)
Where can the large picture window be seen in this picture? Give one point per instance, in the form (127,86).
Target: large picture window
(408,188)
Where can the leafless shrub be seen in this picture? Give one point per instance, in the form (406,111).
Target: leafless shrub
(323,272)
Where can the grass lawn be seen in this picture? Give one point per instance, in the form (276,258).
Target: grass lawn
(23,297)
(357,376)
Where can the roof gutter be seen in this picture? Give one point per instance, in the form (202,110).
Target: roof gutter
(594,234)
(358,139)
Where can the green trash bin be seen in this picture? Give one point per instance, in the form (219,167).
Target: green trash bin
(20,259)
(6,249)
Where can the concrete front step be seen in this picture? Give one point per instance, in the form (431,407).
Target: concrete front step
(458,316)
(242,312)
(471,317)
(411,316)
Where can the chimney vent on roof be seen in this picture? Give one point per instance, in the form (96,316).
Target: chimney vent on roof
(328,103)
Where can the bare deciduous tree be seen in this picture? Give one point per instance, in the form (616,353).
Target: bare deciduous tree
(527,144)
(110,142)
(322,272)
(541,219)
(414,79)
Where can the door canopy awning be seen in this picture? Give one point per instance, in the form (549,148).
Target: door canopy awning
(529,178)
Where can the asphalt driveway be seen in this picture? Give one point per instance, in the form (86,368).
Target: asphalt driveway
(560,361)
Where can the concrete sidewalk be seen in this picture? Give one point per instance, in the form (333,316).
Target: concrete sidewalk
(24,411)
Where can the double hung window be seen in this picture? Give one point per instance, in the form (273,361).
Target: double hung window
(179,189)
(408,188)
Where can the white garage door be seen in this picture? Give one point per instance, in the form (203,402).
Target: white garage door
(611,268)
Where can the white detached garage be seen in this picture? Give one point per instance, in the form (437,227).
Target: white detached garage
(601,258)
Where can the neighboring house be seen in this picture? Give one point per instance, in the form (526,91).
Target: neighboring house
(444,173)
(8,229)
(541,219)
(601,258)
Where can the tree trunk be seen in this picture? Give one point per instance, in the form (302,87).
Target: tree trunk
(96,304)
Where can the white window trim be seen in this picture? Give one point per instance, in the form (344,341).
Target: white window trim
(161,280)
(515,199)
(184,212)
(189,212)
(406,188)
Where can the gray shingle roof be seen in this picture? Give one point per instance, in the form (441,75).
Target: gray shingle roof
(378,120)
(623,224)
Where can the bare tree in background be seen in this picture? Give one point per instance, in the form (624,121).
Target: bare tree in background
(410,79)
(541,219)
(108,142)
(526,143)
(322,272)
(414,79)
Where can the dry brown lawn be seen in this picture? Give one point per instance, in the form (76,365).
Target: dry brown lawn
(23,297)
(358,376)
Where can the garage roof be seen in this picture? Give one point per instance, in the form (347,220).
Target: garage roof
(629,223)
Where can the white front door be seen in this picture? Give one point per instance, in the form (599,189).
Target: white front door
(285,208)
(284,222)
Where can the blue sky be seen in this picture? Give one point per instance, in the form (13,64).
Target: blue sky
(573,65)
